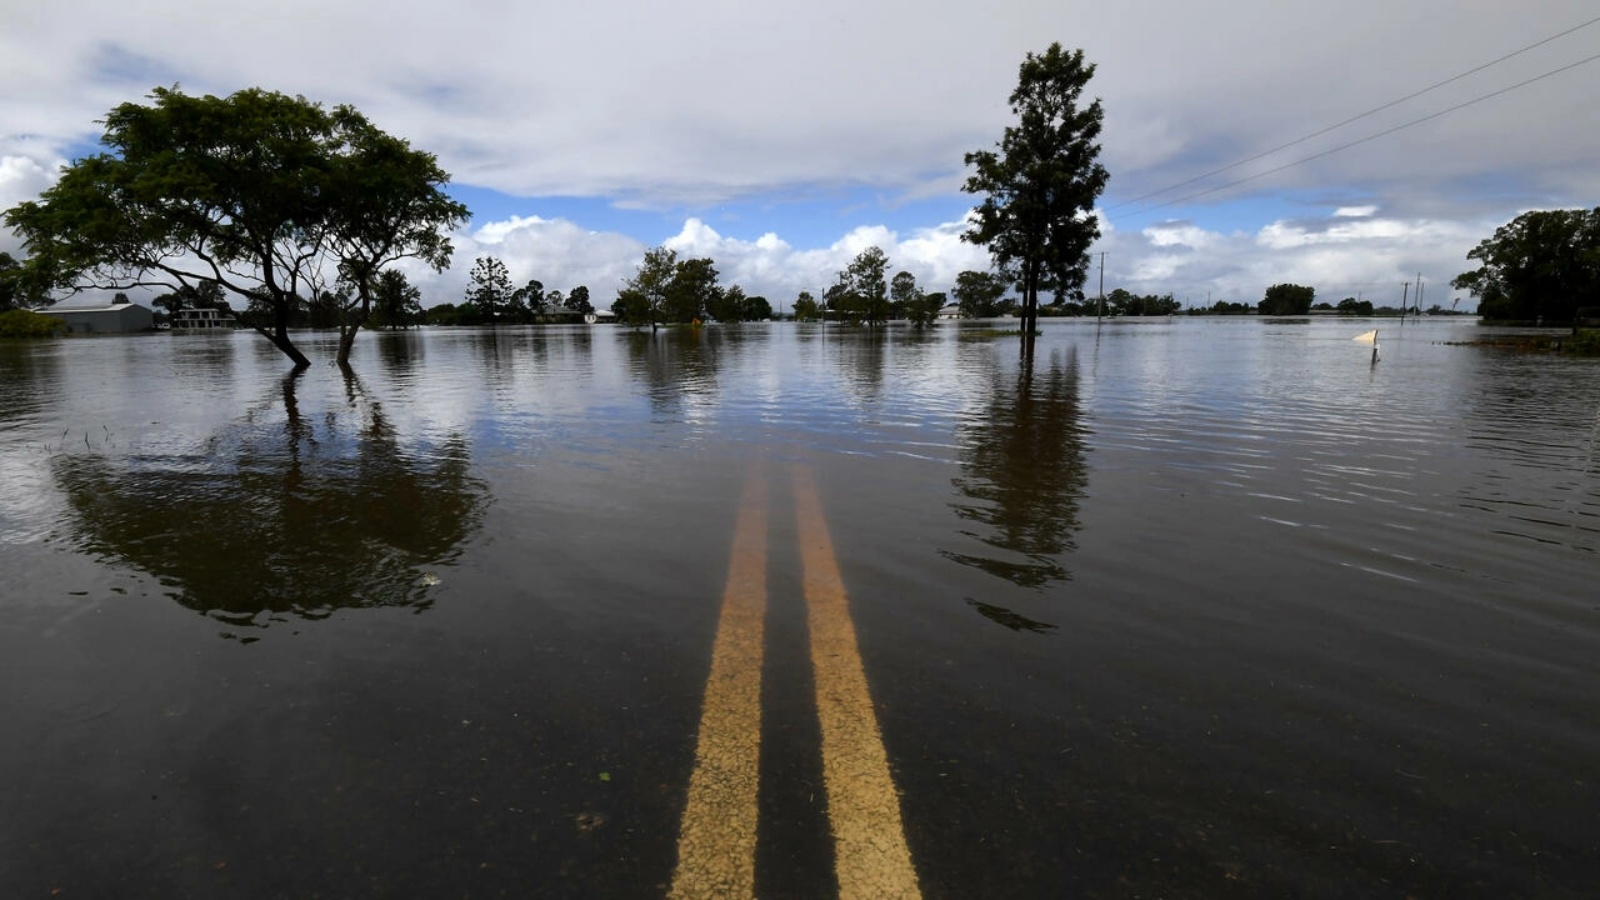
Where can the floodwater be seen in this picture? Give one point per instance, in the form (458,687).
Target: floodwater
(1193,607)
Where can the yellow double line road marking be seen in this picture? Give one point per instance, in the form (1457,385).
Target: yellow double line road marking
(870,854)
(717,843)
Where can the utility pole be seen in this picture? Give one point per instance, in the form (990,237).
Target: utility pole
(1405,302)
(1419,294)
(1102,310)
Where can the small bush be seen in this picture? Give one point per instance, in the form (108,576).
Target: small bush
(20,323)
(1584,343)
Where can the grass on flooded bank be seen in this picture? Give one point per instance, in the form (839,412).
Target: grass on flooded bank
(20,323)
(1584,343)
(984,334)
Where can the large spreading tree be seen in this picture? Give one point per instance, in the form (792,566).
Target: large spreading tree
(1542,265)
(1287,300)
(1041,184)
(275,199)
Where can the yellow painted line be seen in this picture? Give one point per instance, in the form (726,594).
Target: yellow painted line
(871,859)
(717,843)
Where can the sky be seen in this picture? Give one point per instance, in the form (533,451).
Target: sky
(782,139)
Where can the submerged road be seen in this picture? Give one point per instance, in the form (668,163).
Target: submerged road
(717,845)
(1190,609)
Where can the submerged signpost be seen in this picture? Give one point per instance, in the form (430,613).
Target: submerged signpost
(1370,337)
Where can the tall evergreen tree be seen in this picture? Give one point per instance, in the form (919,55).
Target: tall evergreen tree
(489,288)
(1041,185)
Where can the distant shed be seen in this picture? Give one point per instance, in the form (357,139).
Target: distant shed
(117,318)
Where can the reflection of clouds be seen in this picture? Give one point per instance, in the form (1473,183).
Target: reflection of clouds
(286,511)
(1023,472)
(26,369)
(1535,422)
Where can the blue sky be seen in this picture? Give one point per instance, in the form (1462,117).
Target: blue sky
(781,141)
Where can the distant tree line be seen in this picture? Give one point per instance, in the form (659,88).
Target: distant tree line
(667,290)
(490,299)
(1349,306)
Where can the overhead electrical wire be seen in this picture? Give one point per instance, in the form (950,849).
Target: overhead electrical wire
(1358,141)
(1356,118)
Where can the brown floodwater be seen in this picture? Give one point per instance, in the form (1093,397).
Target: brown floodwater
(1190,607)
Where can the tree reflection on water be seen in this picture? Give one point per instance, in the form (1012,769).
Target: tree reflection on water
(1023,472)
(677,367)
(299,514)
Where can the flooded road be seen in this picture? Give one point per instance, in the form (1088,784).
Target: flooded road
(1209,607)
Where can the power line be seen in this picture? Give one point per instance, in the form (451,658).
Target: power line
(1354,143)
(1353,119)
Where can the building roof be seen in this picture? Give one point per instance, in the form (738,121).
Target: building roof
(59,310)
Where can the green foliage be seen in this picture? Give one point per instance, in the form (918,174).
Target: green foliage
(861,293)
(910,302)
(19,288)
(691,291)
(396,303)
(1543,264)
(444,314)
(21,323)
(10,270)
(666,289)
(260,192)
(924,311)
(903,292)
(631,308)
(1350,306)
(527,303)
(806,307)
(727,305)
(1042,184)
(643,297)
(578,300)
(757,309)
(1584,343)
(1223,308)
(979,293)
(1121,302)
(1287,300)
(488,289)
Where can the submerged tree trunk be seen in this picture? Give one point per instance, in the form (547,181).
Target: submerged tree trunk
(278,334)
(349,326)
(1030,306)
